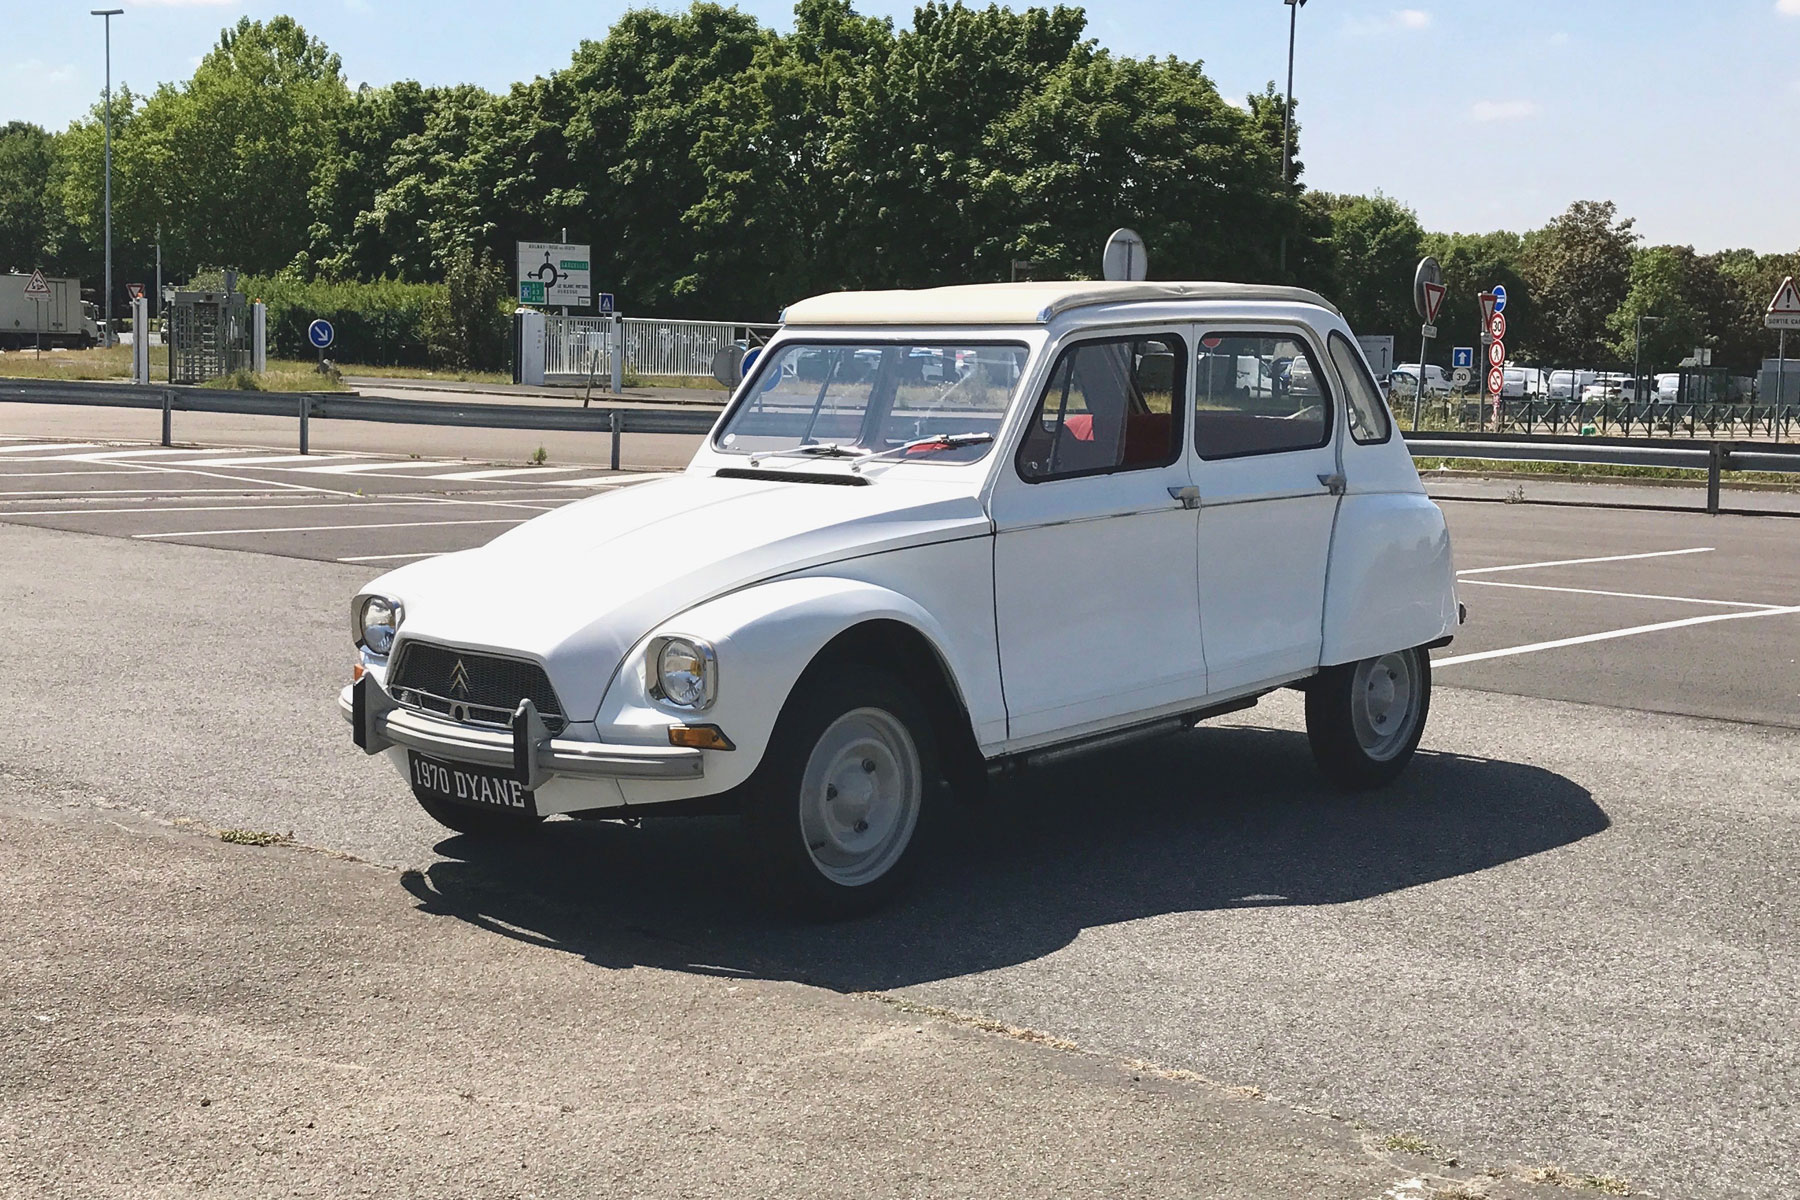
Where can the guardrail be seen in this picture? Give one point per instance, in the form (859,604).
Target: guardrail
(1713,457)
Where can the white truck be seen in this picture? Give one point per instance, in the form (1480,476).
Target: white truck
(60,319)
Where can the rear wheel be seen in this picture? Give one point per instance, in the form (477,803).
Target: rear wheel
(476,822)
(841,801)
(1364,719)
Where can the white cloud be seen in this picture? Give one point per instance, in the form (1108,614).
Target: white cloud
(1418,18)
(1559,40)
(1788,8)
(1503,110)
(1396,20)
(180,3)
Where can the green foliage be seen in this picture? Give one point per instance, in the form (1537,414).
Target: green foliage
(471,326)
(1374,249)
(26,153)
(384,323)
(1579,268)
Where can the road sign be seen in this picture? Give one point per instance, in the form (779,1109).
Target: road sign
(1460,377)
(37,288)
(531,292)
(1429,331)
(560,268)
(1427,278)
(1462,356)
(1124,256)
(134,291)
(1784,309)
(1488,301)
(1496,381)
(321,334)
(1496,353)
(606,304)
(1497,326)
(1499,297)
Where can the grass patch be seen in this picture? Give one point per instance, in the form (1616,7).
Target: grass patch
(280,377)
(254,837)
(424,373)
(106,363)
(1409,1143)
(1606,1185)
(1580,471)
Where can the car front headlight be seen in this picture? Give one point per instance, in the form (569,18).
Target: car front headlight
(683,672)
(377,620)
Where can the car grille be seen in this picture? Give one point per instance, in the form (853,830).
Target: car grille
(482,689)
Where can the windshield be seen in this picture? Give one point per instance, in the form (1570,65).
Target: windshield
(850,398)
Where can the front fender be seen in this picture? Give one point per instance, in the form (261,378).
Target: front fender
(765,636)
(1392,583)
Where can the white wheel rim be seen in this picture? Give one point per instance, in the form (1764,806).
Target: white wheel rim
(860,796)
(1384,704)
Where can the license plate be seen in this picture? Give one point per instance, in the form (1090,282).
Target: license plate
(476,786)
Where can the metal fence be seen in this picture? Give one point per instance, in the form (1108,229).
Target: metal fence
(577,349)
(1608,418)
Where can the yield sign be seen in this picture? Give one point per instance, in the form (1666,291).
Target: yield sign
(1488,309)
(1434,300)
(1784,309)
(39,289)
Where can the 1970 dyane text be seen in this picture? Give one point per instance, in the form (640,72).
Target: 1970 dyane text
(936,535)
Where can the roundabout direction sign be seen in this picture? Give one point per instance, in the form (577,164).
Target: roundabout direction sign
(321,334)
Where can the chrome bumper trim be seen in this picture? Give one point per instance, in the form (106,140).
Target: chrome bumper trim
(529,752)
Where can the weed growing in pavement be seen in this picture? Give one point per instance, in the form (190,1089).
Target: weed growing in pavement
(254,837)
(539,457)
(1408,1143)
(1610,1185)
(1517,495)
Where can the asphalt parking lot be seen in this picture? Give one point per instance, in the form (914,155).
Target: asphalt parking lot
(1566,937)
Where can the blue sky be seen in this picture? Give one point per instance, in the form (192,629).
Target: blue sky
(1478,115)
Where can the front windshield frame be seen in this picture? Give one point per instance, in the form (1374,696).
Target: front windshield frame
(729,437)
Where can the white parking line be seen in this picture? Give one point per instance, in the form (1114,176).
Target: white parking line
(263,460)
(506,473)
(365,558)
(1609,635)
(38,449)
(365,468)
(329,528)
(1574,562)
(125,455)
(604,480)
(144,510)
(1539,587)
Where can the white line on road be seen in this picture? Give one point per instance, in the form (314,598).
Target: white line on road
(1609,635)
(363,558)
(330,528)
(602,480)
(149,511)
(260,460)
(38,449)
(124,455)
(506,472)
(1574,562)
(1539,587)
(365,468)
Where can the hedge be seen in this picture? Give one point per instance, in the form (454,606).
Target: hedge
(382,324)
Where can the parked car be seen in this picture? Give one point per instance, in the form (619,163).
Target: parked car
(1611,388)
(1566,384)
(870,593)
(1404,381)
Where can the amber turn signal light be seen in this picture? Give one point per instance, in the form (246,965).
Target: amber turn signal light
(700,737)
(356,672)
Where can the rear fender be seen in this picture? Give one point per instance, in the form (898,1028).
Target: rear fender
(1391,583)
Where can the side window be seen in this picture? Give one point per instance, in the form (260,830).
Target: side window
(1368,412)
(1109,406)
(1257,393)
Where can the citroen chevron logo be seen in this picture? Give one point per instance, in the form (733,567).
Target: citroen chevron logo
(459,679)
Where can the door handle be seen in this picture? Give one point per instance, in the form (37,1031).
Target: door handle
(1189,495)
(1333,483)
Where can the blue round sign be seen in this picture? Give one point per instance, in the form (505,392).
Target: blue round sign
(321,334)
(1499,297)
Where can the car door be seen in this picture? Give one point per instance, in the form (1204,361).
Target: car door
(1267,469)
(1094,549)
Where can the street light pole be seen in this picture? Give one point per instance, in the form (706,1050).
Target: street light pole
(1637,357)
(107,14)
(1287,114)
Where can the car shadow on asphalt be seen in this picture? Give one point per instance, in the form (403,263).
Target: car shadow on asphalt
(1217,817)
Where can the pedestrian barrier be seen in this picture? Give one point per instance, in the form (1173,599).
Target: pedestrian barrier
(1713,457)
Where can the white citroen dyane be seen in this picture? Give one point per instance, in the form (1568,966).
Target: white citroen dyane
(936,535)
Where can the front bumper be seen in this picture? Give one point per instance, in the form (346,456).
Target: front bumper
(529,752)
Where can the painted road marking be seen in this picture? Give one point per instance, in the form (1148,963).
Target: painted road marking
(1539,587)
(102,456)
(604,480)
(1609,635)
(507,472)
(263,460)
(143,510)
(330,528)
(38,449)
(367,558)
(365,468)
(1575,562)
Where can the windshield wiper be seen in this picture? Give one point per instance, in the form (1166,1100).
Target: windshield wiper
(937,441)
(818,449)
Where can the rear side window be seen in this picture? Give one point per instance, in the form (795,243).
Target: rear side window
(1112,405)
(1258,393)
(1368,412)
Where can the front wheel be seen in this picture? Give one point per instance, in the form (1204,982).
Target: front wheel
(842,798)
(1364,719)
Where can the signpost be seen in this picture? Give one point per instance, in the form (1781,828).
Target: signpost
(1124,257)
(555,273)
(38,288)
(321,335)
(1428,299)
(1499,297)
(1783,315)
(1462,356)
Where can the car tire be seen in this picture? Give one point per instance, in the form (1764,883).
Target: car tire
(846,792)
(476,822)
(1364,719)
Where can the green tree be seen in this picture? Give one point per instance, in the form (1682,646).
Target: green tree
(471,326)
(1750,280)
(1374,246)
(26,155)
(346,240)
(1579,269)
(1687,295)
(1474,263)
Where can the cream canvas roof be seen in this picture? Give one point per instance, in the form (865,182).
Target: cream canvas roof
(1017,303)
